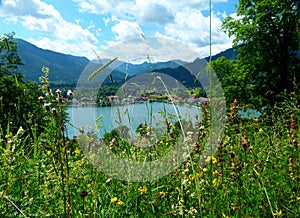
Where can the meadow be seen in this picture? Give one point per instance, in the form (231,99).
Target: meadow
(254,173)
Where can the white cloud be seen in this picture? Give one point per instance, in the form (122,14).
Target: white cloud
(155,11)
(38,16)
(34,8)
(106,21)
(147,12)
(85,49)
(157,48)
(192,28)
(126,30)
(122,9)
(186,21)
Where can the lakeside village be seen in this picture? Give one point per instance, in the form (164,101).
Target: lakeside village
(115,100)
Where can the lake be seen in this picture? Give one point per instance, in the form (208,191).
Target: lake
(131,115)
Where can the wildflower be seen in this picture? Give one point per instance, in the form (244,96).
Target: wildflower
(224,215)
(108,180)
(207,160)
(47,105)
(277,213)
(20,131)
(69,93)
(48,153)
(77,152)
(191,177)
(41,99)
(212,159)
(216,182)
(7,136)
(162,194)
(58,92)
(204,169)
(216,173)
(120,203)
(45,70)
(199,175)
(114,199)
(260,130)
(53,110)
(142,190)
(298,198)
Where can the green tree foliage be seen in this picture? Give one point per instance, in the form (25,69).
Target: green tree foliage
(234,84)
(9,57)
(267,33)
(19,104)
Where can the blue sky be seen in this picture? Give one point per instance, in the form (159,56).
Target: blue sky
(78,27)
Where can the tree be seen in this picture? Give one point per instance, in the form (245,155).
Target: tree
(267,33)
(9,57)
(19,104)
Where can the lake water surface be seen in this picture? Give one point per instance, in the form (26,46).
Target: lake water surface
(131,115)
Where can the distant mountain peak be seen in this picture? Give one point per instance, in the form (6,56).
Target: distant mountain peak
(65,68)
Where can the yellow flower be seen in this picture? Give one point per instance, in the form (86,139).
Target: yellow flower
(298,198)
(199,175)
(215,173)
(77,152)
(216,182)
(277,213)
(207,160)
(120,203)
(212,159)
(191,177)
(113,200)
(204,169)
(162,194)
(7,136)
(142,190)
(224,215)
(260,130)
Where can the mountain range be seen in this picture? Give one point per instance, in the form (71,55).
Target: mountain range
(67,69)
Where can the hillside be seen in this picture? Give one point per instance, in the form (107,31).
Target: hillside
(67,69)
(63,68)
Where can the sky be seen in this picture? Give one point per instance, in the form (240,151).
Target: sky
(89,27)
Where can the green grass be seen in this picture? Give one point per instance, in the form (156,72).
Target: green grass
(254,173)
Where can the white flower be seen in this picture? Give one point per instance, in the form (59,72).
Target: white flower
(69,93)
(20,130)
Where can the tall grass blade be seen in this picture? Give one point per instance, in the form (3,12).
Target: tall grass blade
(95,73)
